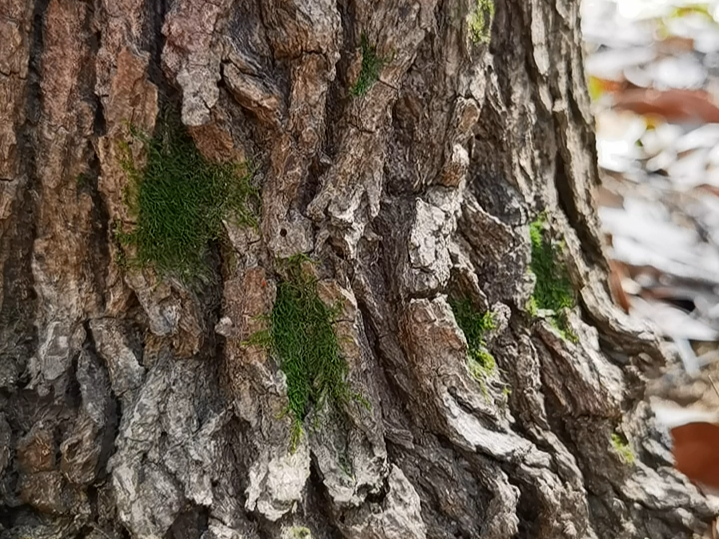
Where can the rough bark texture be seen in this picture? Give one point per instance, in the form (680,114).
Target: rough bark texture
(133,407)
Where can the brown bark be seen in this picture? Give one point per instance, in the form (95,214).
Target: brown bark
(132,406)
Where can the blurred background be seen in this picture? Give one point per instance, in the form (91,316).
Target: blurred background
(653,75)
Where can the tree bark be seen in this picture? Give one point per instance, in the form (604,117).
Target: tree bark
(133,406)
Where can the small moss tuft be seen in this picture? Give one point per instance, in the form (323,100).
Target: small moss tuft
(371,66)
(179,200)
(302,337)
(553,289)
(480,21)
(300,532)
(621,445)
(474,326)
(83,180)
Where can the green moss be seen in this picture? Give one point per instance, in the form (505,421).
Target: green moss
(621,445)
(532,308)
(474,326)
(83,180)
(302,337)
(179,200)
(300,532)
(553,289)
(480,21)
(371,66)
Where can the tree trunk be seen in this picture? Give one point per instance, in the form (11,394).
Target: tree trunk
(404,147)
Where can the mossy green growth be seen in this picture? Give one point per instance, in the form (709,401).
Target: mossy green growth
(300,532)
(622,447)
(474,326)
(179,200)
(83,180)
(553,289)
(371,66)
(302,338)
(480,21)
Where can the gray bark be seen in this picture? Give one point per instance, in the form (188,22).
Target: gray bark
(132,407)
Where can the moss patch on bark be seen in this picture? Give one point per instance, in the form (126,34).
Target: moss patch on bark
(475,325)
(371,67)
(553,290)
(179,200)
(621,446)
(302,338)
(480,21)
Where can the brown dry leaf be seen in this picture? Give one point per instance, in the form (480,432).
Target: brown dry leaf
(674,105)
(694,449)
(607,197)
(676,44)
(709,189)
(599,86)
(616,273)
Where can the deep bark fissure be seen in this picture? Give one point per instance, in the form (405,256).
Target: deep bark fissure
(34,97)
